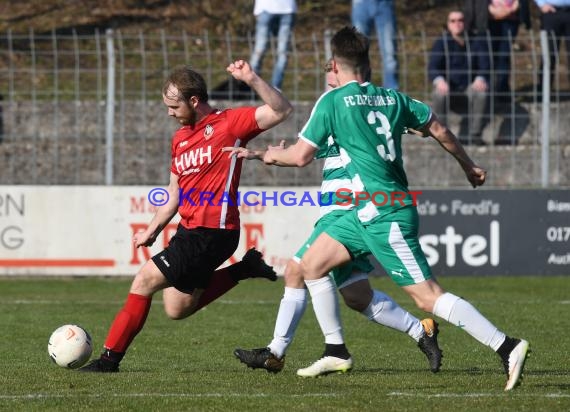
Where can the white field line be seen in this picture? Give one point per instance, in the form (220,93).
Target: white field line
(479,395)
(4,301)
(102,302)
(33,396)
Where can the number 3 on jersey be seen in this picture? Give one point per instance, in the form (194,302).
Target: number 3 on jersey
(383,130)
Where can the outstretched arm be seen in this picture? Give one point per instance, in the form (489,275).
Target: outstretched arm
(163,215)
(276,108)
(244,153)
(298,155)
(475,174)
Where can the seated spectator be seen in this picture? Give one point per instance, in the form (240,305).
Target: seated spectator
(459,70)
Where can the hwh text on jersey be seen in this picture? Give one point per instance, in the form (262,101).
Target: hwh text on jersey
(193,158)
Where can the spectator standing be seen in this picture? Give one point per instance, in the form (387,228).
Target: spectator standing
(381,15)
(555,19)
(273,18)
(459,70)
(501,18)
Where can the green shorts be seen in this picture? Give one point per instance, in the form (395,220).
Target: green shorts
(343,273)
(393,240)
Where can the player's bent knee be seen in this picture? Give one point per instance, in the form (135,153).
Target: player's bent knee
(425,294)
(356,303)
(148,280)
(425,303)
(179,312)
(176,315)
(357,295)
(293,276)
(179,305)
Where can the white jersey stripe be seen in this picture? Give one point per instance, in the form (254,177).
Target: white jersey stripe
(368,212)
(335,184)
(333,163)
(399,245)
(224,211)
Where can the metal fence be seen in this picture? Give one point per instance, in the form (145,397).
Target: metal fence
(86,109)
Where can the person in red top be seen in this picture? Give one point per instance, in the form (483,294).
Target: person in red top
(203,190)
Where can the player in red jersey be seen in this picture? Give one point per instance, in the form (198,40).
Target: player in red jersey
(203,190)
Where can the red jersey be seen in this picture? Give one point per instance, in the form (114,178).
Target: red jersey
(208,178)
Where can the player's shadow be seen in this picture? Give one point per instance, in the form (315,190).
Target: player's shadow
(443,371)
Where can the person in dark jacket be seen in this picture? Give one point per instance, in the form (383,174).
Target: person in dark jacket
(500,19)
(459,70)
(555,20)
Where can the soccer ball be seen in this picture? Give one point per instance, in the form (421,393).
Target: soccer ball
(70,346)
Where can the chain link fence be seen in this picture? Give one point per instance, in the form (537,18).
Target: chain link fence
(87,109)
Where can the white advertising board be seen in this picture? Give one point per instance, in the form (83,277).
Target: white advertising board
(82,230)
(88,230)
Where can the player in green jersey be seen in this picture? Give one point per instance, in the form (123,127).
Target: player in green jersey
(367,123)
(351,278)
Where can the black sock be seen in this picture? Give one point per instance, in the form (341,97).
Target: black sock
(338,351)
(507,347)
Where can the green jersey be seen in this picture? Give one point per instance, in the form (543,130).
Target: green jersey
(336,188)
(335,199)
(367,123)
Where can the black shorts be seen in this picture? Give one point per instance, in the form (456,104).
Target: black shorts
(193,255)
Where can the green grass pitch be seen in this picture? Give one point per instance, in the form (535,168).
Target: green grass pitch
(188,365)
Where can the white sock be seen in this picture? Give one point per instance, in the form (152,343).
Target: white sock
(291,310)
(325,305)
(385,311)
(461,313)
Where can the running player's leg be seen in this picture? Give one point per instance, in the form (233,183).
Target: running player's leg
(379,307)
(291,309)
(396,246)
(130,320)
(382,309)
(186,264)
(179,305)
(324,254)
(190,263)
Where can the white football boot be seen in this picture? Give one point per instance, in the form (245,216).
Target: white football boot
(515,365)
(326,365)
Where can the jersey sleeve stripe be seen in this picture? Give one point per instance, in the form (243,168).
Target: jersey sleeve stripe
(308,141)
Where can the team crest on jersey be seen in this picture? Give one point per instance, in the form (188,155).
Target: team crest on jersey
(208,131)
